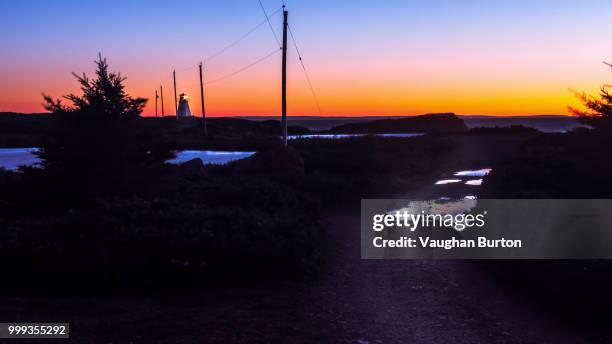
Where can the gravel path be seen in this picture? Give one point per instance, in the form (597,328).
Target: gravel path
(355,301)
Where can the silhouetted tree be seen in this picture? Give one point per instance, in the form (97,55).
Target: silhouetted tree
(598,112)
(104,95)
(98,145)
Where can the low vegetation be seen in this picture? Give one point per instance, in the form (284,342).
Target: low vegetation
(105,214)
(559,166)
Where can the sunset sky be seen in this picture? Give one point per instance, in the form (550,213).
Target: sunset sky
(364,57)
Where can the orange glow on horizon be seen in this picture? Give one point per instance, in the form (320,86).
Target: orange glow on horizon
(257,92)
(474,58)
(336,98)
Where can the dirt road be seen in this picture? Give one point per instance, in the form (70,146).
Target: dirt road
(354,301)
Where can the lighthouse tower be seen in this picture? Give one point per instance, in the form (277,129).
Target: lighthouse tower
(183,106)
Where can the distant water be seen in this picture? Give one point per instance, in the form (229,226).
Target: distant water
(344,136)
(209,157)
(12,158)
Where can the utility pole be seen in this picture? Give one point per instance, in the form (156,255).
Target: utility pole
(202,100)
(156,100)
(161,91)
(284,81)
(175,101)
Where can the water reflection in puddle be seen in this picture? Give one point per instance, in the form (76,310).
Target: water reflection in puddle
(446,199)
(465,175)
(449,206)
(448,181)
(473,173)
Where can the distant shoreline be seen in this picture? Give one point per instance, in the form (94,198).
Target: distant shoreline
(316,117)
(545,123)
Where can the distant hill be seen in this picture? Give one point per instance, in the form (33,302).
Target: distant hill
(514,117)
(23,130)
(430,123)
(318,122)
(30,130)
(545,123)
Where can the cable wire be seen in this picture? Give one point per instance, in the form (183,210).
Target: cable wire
(241,38)
(233,43)
(263,9)
(230,45)
(276,51)
(314,94)
(185,68)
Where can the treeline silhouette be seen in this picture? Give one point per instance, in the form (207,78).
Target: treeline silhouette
(105,211)
(107,214)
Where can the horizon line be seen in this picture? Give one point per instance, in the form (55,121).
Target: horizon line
(328,116)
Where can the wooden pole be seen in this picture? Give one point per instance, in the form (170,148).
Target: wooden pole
(175,100)
(202,100)
(284,79)
(156,100)
(161,90)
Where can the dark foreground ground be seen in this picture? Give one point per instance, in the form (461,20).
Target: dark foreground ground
(351,301)
(356,301)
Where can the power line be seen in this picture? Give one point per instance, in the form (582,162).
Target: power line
(241,38)
(228,46)
(185,68)
(314,94)
(261,59)
(263,9)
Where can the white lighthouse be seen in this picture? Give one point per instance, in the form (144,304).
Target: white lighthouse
(183,106)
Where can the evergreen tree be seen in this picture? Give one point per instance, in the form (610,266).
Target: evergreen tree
(104,95)
(98,144)
(598,112)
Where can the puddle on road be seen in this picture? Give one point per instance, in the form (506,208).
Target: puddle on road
(473,173)
(448,181)
(466,177)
